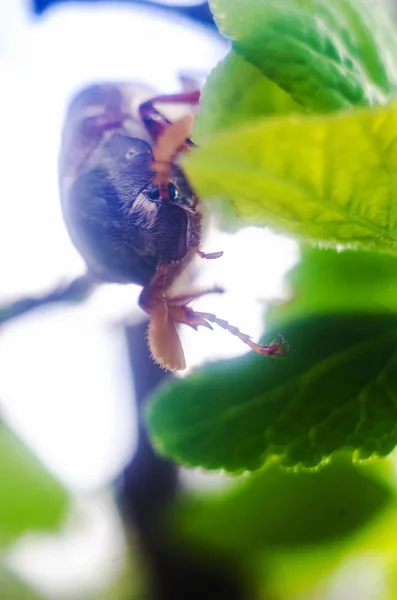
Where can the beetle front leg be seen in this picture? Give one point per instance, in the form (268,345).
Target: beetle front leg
(169,138)
(155,122)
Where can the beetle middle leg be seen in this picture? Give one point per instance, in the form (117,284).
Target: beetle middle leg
(156,291)
(184,299)
(155,122)
(167,311)
(184,314)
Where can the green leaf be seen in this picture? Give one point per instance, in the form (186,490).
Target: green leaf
(294,531)
(12,588)
(331,178)
(327,55)
(236,92)
(283,509)
(336,389)
(327,281)
(30,499)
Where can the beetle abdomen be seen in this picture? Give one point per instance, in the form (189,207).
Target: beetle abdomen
(102,233)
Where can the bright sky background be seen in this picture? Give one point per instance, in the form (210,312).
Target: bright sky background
(63,383)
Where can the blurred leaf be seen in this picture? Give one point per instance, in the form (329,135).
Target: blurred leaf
(30,498)
(336,389)
(330,178)
(303,574)
(12,588)
(327,281)
(280,508)
(131,579)
(327,55)
(296,529)
(236,92)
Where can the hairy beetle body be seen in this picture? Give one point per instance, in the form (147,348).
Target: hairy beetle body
(111,207)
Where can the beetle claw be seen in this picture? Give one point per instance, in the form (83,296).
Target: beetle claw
(273,349)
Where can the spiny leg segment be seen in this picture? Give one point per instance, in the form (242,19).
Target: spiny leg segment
(184,314)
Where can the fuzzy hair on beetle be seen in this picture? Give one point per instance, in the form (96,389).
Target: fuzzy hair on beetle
(130,209)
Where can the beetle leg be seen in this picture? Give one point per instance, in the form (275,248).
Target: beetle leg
(166,312)
(188,316)
(154,121)
(163,338)
(172,141)
(186,298)
(170,138)
(154,292)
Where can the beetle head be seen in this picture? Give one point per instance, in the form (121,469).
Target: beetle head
(126,162)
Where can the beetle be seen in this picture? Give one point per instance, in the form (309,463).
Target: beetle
(130,209)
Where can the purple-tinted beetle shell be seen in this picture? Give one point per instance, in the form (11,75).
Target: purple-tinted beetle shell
(121,229)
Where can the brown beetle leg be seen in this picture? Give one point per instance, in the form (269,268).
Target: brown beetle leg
(166,312)
(184,314)
(186,298)
(155,122)
(172,141)
(170,138)
(163,338)
(155,292)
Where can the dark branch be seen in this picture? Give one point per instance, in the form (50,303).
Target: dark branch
(74,292)
(199,13)
(148,488)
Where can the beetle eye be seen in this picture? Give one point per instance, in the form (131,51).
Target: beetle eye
(154,192)
(172,192)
